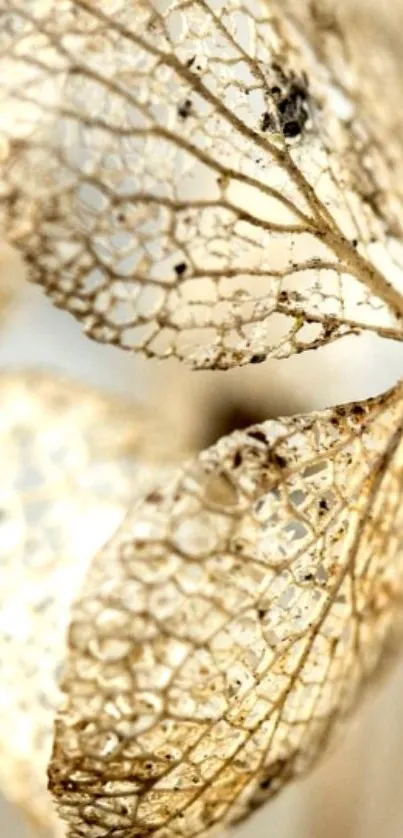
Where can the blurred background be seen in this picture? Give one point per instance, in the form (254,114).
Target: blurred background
(356,791)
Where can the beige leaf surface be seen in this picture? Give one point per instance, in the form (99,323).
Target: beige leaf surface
(12,273)
(196,178)
(70,465)
(371,78)
(231,624)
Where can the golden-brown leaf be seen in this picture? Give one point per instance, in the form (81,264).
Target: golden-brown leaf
(198,178)
(231,624)
(11,276)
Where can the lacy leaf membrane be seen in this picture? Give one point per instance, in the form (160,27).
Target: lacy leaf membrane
(11,275)
(196,179)
(71,463)
(231,624)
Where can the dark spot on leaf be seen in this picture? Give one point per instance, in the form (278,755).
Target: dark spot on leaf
(290,95)
(185,109)
(292,129)
(259,435)
(154,497)
(181,268)
(265,784)
(277,459)
(237,459)
(268,122)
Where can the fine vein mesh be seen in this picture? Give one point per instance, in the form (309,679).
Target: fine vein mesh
(69,468)
(197,178)
(372,78)
(231,624)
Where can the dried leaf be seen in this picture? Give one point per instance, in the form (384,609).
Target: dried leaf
(11,276)
(198,178)
(69,467)
(231,624)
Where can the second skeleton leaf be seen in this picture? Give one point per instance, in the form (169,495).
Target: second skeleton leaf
(201,179)
(254,596)
(212,181)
